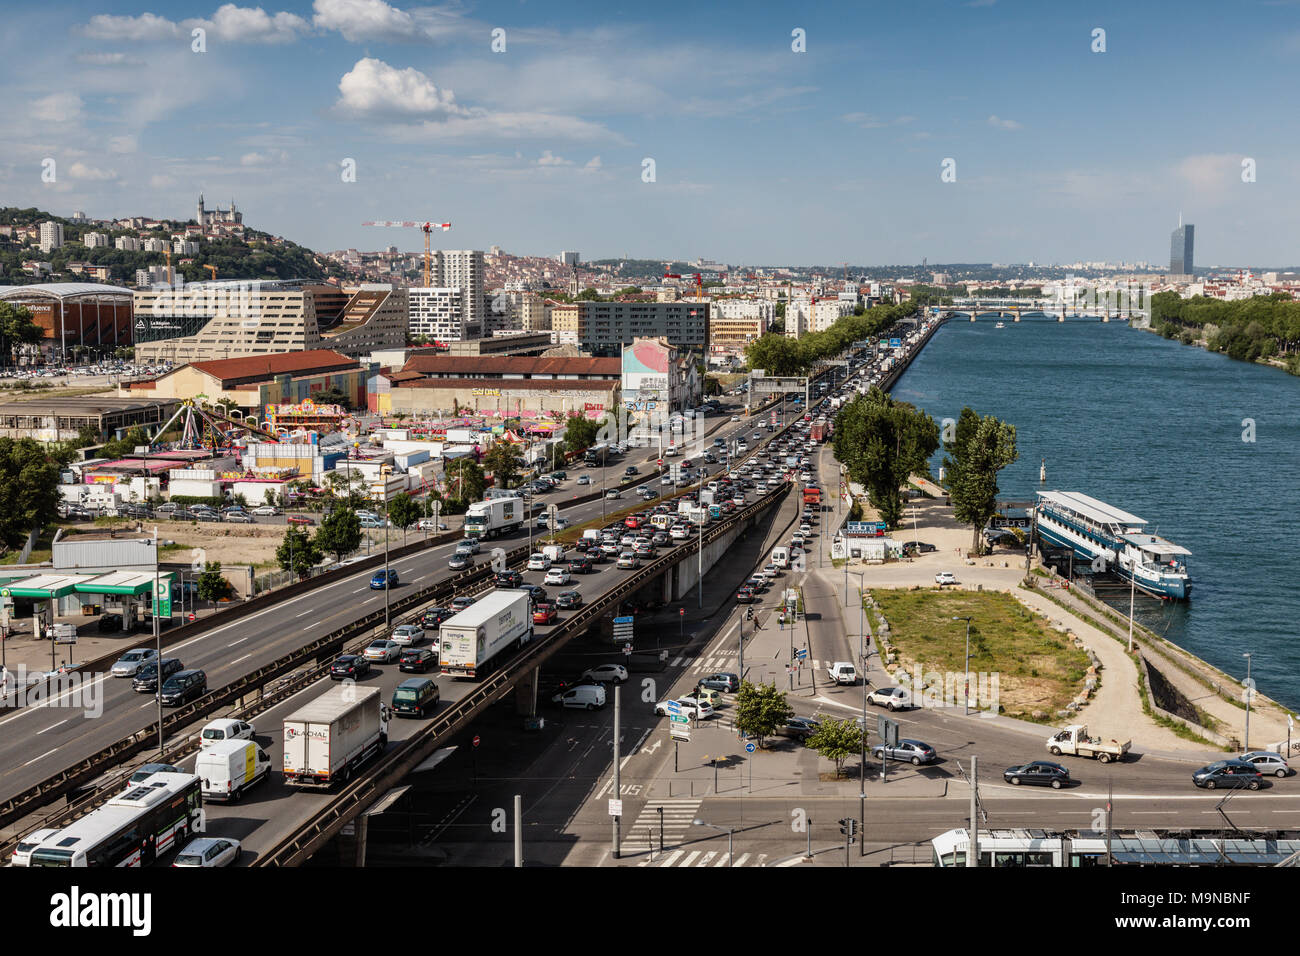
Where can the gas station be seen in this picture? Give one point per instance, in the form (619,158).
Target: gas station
(60,594)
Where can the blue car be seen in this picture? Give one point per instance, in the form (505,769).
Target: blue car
(382,579)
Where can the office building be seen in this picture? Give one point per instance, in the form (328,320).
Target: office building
(437,314)
(1180,249)
(569,259)
(605,328)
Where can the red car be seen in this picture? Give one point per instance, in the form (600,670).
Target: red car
(300,519)
(632,521)
(544,614)
(745,596)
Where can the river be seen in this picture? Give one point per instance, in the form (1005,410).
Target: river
(1155,428)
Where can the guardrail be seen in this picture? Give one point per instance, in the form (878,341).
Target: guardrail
(393,766)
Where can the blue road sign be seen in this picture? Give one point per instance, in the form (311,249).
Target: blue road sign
(624,620)
(749,748)
(801,653)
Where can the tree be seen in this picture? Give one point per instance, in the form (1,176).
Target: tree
(580,432)
(980,449)
(339,533)
(760,710)
(404,511)
(29,478)
(126,445)
(297,552)
(836,740)
(883,442)
(588,294)
(465,479)
(332,396)
(212,586)
(17,327)
(505,462)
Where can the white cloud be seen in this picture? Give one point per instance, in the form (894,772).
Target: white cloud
(1210,172)
(361,20)
(82,171)
(263,159)
(999,123)
(550,159)
(867,121)
(108,59)
(126,143)
(254,25)
(161,181)
(372,86)
(57,108)
(147,26)
(593,163)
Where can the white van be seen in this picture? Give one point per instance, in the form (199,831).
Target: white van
(842,672)
(781,557)
(229,767)
(225,728)
(555,552)
(589,696)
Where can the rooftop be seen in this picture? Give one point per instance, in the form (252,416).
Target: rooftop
(516,365)
(63,290)
(256,367)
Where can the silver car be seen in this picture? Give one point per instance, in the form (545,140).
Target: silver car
(129,663)
(1267,762)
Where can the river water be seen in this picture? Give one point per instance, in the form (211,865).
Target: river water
(1155,428)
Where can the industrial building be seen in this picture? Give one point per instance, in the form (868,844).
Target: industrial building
(75,313)
(57,419)
(254,382)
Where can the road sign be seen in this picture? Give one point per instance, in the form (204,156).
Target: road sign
(673,708)
(624,620)
(801,653)
(477,740)
(749,748)
(679,718)
(887,731)
(615,808)
(679,732)
(627,650)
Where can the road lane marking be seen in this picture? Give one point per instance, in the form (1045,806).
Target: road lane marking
(52,726)
(304,613)
(240,641)
(41,757)
(244,658)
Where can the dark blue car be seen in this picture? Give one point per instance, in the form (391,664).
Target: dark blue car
(381,579)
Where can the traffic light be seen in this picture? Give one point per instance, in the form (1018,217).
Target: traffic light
(848,827)
(749,613)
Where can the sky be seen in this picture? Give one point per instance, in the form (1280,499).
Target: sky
(748,133)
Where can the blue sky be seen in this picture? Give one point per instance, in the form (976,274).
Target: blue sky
(762,155)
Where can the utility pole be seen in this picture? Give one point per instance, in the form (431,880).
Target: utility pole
(157,641)
(618,790)
(973,853)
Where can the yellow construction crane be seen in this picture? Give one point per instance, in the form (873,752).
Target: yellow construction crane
(425,227)
(171,277)
(213,270)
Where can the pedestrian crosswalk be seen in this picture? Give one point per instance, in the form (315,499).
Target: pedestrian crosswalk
(677,817)
(708,664)
(715,858)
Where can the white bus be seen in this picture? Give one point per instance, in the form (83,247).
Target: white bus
(1087,848)
(133,828)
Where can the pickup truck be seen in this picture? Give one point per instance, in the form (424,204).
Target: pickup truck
(1074,740)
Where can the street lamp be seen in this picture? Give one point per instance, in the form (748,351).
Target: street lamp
(862,653)
(1250,693)
(384,472)
(966,673)
(728,830)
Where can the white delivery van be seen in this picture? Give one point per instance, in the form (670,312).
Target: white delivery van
(781,557)
(842,672)
(230,767)
(555,552)
(589,696)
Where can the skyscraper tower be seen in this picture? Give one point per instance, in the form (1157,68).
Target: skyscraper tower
(1180,249)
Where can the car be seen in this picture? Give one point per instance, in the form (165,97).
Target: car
(910,751)
(606,672)
(689,707)
(240,517)
(1228,773)
(536,592)
(110,622)
(149,769)
(351,666)
(460,602)
(146,678)
(382,579)
(609,548)
(805,530)
(432,619)
(382,649)
(588,696)
(300,520)
(183,687)
(771,572)
(659,539)
(799,728)
(644,551)
(544,614)
(582,565)
(1042,773)
(266,511)
(613,493)
(679,532)
(723,681)
(468,546)
(568,600)
(417,660)
(407,634)
(893,698)
(584,479)
(209,851)
(1268,762)
(945,577)
(22,855)
(745,595)
(633,522)
(630,470)
(459,561)
(129,664)
(538,562)
(226,728)
(557,576)
(508,579)
(735,418)
(628,559)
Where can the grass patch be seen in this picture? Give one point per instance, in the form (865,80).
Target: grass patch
(1039,669)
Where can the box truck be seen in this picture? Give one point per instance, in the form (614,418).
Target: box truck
(473,638)
(229,767)
(329,738)
(484,519)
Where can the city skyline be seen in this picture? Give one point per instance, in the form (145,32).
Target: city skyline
(761,154)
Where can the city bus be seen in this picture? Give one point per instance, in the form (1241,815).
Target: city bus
(133,828)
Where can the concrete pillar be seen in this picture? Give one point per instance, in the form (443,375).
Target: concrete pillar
(526,694)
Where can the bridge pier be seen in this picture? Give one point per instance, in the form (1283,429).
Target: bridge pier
(526,694)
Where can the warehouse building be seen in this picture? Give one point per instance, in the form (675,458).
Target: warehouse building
(57,419)
(75,313)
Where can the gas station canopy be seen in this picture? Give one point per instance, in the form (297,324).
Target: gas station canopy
(48,587)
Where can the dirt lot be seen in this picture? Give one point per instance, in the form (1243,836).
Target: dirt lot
(229,544)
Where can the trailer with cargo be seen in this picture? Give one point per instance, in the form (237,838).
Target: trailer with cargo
(485,519)
(326,740)
(471,640)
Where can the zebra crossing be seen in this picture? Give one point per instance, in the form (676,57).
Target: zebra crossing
(707,664)
(678,814)
(681,858)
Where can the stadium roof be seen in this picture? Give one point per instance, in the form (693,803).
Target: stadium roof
(62,290)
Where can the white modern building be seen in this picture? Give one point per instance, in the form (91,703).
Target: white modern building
(463,270)
(51,236)
(437,313)
(95,240)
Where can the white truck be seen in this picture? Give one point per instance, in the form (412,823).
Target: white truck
(1074,740)
(555,552)
(229,767)
(326,740)
(484,519)
(842,672)
(471,639)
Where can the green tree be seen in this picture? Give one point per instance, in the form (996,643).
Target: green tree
(212,585)
(980,449)
(332,396)
(339,533)
(17,327)
(404,511)
(588,294)
(465,479)
(505,463)
(760,710)
(580,432)
(836,740)
(297,552)
(29,478)
(126,445)
(883,442)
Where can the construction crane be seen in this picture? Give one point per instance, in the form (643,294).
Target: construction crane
(425,227)
(171,276)
(213,270)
